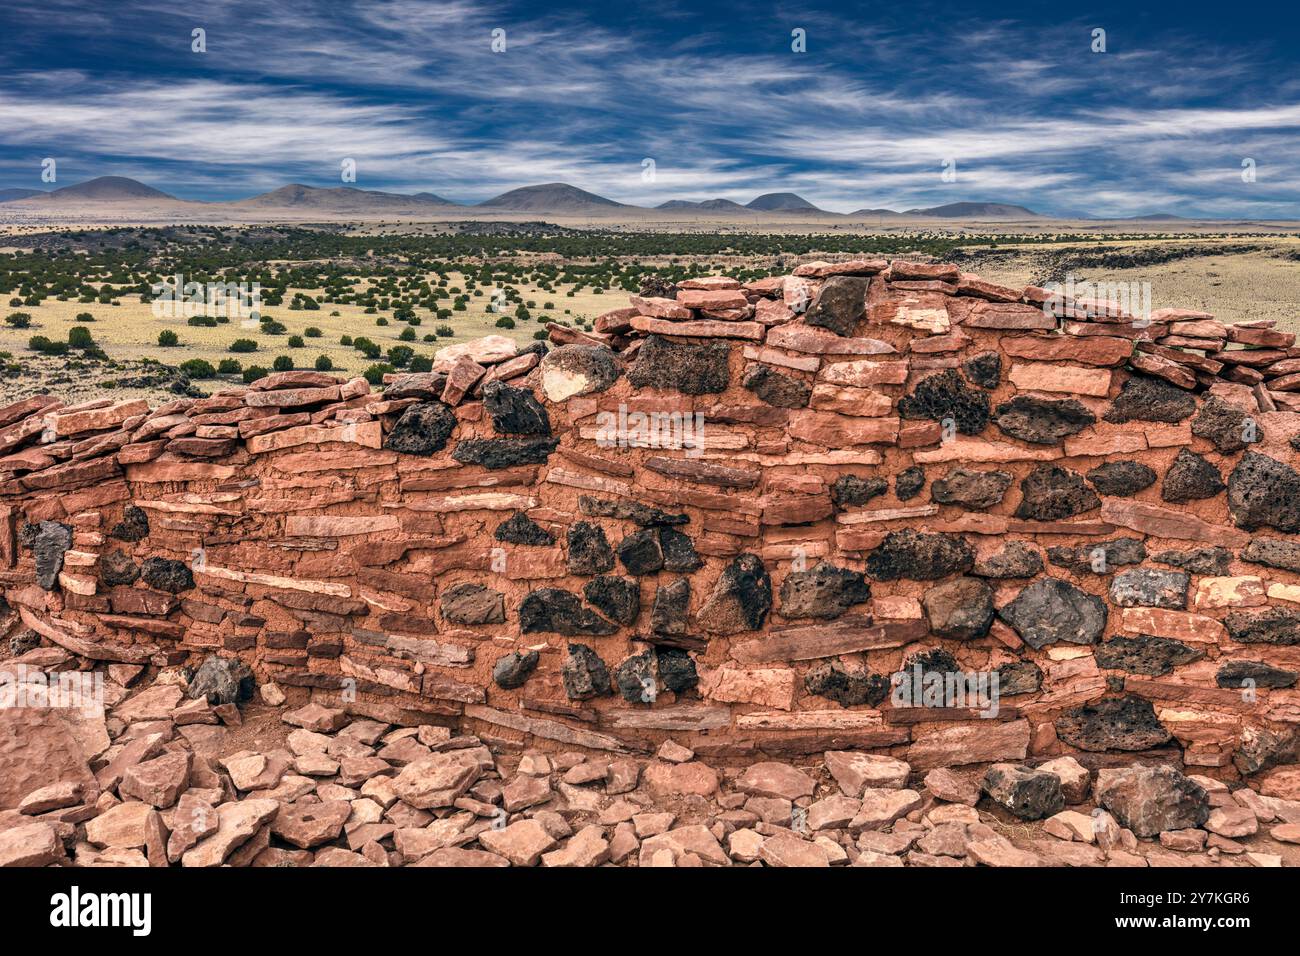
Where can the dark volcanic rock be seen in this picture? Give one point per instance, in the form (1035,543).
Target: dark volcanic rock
(1150,800)
(832,681)
(117,568)
(985,369)
(657,287)
(1042,421)
(681,366)
(1274,625)
(1263,492)
(676,670)
(1150,587)
(1051,610)
(909,482)
(167,575)
(679,551)
(1051,493)
(556,611)
(1100,558)
(823,591)
(423,429)
(1120,723)
(635,678)
(1029,794)
(49,542)
(961,608)
(1238,674)
(776,388)
(1150,400)
(840,304)
(594,366)
(22,642)
(1225,425)
(920,557)
(473,604)
(1261,749)
(1121,478)
(1144,654)
(514,669)
(619,599)
(584,674)
(495,453)
(1016,560)
(515,411)
(589,550)
(945,395)
(641,552)
(134,525)
(639,514)
(521,529)
(1213,561)
(970,489)
(222,680)
(1019,677)
(849,491)
(1190,478)
(741,598)
(1272,552)
(668,616)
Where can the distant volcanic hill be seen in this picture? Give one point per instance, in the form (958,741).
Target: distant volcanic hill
(552,197)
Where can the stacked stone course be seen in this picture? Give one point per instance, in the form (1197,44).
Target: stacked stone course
(900,463)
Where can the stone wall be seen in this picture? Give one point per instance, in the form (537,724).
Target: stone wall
(886,464)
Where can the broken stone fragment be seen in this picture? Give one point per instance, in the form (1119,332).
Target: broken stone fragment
(1274,625)
(573,370)
(676,669)
(515,411)
(1227,426)
(1042,421)
(497,453)
(1150,587)
(641,552)
(823,591)
(584,674)
(521,529)
(961,609)
(840,304)
(1263,492)
(1239,674)
(423,429)
(776,388)
(1050,611)
(473,604)
(1102,557)
(1190,478)
(909,482)
(512,670)
(642,515)
(669,614)
(740,599)
(1212,561)
(553,610)
(222,680)
(166,574)
(1273,552)
(635,678)
(946,396)
(117,568)
(985,369)
(850,491)
(681,366)
(678,551)
(919,556)
(1051,493)
(1019,677)
(1121,478)
(1123,723)
(134,525)
(619,599)
(832,680)
(1029,794)
(49,542)
(589,550)
(975,490)
(1151,800)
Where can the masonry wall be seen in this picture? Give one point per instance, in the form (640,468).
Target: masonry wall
(900,464)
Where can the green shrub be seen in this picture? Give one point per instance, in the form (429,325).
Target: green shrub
(505,322)
(408,335)
(375,374)
(324,363)
(229,367)
(253,373)
(421,363)
(202,321)
(198,368)
(19,320)
(167,338)
(399,355)
(85,317)
(295,342)
(541,334)
(345,340)
(283,363)
(445,331)
(312,332)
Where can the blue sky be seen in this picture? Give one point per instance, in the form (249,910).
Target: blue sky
(712,92)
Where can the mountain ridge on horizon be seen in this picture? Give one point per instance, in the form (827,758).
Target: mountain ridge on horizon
(545,197)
